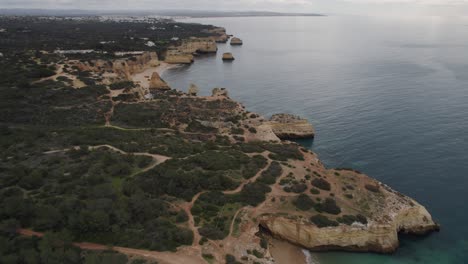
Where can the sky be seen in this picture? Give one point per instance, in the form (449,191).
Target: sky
(423,7)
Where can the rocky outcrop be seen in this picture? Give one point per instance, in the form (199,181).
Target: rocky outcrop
(174,56)
(158,84)
(398,214)
(228,56)
(287,126)
(217,92)
(122,68)
(193,90)
(236,42)
(220,35)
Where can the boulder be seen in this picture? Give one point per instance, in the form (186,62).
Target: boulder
(236,42)
(220,92)
(286,126)
(228,56)
(193,90)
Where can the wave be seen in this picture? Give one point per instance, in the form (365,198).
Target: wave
(309,258)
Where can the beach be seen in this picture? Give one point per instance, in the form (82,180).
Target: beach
(143,78)
(286,253)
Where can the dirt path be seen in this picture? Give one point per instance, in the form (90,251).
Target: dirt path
(157,159)
(254,179)
(233,222)
(186,255)
(191,222)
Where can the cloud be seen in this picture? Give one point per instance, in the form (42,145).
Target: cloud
(316,6)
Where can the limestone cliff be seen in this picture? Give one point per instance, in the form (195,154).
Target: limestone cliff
(157,84)
(183,53)
(287,126)
(386,211)
(121,68)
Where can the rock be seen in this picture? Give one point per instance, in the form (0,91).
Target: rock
(156,83)
(228,56)
(236,42)
(377,236)
(286,126)
(174,56)
(193,90)
(220,92)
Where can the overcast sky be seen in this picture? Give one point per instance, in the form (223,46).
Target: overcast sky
(433,7)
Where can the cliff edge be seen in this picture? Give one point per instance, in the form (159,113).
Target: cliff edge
(286,126)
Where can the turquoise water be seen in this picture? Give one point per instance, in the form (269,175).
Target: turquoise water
(387,96)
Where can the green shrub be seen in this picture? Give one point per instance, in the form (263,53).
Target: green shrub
(350,219)
(328,206)
(303,202)
(321,184)
(314,191)
(322,221)
(372,188)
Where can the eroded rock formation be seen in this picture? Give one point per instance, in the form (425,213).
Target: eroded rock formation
(287,126)
(228,56)
(193,90)
(236,42)
(217,92)
(158,84)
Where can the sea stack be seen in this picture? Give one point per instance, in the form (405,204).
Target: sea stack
(286,126)
(158,84)
(193,90)
(236,42)
(228,56)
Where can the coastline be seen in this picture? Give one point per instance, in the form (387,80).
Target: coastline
(285,253)
(143,78)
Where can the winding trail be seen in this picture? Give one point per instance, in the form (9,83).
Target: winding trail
(251,180)
(157,159)
(186,255)
(191,222)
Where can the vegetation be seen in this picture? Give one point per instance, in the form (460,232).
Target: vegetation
(323,221)
(303,202)
(321,184)
(372,188)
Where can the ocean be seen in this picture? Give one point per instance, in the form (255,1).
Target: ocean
(388,96)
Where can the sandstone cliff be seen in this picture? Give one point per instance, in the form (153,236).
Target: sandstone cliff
(287,126)
(121,68)
(157,84)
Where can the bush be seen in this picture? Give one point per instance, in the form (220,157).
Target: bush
(314,191)
(372,188)
(350,219)
(253,130)
(328,206)
(303,202)
(299,188)
(322,221)
(321,184)
(270,175)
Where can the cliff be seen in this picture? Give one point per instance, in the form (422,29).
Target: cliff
(183,53)
(287,126)
(120,68)
(157,84)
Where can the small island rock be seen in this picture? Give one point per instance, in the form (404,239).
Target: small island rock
(228,56)
(236,42)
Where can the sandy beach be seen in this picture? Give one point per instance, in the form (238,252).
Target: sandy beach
(143,78)
(286,253)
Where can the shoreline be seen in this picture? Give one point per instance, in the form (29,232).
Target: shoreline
(284,252)
(143,78)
